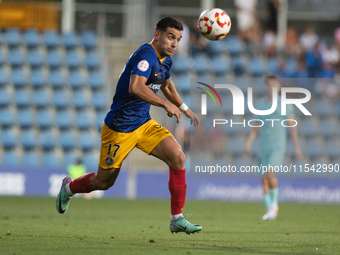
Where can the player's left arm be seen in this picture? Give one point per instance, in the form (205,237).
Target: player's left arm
(295,137)
(169,90)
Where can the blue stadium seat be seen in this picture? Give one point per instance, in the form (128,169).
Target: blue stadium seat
(2,57)
(35,58)
(183,83)
(67,140)
(96,80)
(31,37)
(47,140)
(100,116)
(238,65)
(324,108)
(220,65)
(235,45)
(257,67)
(3,77)
(92,60)
(202,64)
(291,66)
(25,118)
(22,98)
(18,77)
(90,161)
(315,147)
(12,37)
(51,38)
(235,145)
(61,99)
(309,127)
(76,79)
(330,128)
(216,48)
(7,117)
(38,78)
(70,40)
(333,149)
(11,158)
(88,39)
(15,57)
(243,84)
(99,100)
(41,98)
(29,139)
(73,59)
(69,158)
(56,78)
(64,119)
(273,64)
(45,119)
(83,120)
(31,159)
(51,159)
(79,99)
(8,138)
(5,98)
(54,58)
(181,64)
(88,141)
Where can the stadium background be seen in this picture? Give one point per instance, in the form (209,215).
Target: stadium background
(59,69)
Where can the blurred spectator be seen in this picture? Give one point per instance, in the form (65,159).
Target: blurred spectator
(292,42)
(272,9)
(269,43)
(197,42)
(247,24)
(183,46)
(330,55)
(301,71)
(337,37)
(309,39)
(313,61)
(281,69)
(76,170)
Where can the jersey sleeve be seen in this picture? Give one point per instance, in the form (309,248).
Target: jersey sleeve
(143,63)
(168,73)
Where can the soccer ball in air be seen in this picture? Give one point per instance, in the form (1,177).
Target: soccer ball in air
(214,24)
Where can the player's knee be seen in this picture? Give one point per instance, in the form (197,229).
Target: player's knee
(178,159)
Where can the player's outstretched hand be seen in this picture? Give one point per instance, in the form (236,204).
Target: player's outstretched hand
(172,110)
(193,118)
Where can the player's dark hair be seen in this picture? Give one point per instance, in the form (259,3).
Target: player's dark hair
(166,22)
(271,77)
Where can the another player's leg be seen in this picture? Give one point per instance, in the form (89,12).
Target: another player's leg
(266,197)
(274,195)
(87,183)
(171,153)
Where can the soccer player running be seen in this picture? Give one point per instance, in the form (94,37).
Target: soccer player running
(128,124)
(272,147)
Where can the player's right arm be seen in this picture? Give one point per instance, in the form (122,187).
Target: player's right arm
(138,89)
(250,139)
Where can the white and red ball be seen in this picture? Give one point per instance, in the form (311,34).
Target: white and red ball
(214,24)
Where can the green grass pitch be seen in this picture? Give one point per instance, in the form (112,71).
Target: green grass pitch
(112,226)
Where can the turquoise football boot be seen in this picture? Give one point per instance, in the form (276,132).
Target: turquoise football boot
(182,225)
(63,199)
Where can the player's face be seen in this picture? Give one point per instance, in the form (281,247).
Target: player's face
(168,41)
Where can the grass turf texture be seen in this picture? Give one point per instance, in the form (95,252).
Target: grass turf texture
(110,226)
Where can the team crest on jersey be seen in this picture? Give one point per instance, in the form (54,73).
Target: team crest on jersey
(143,65)
(109,161)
